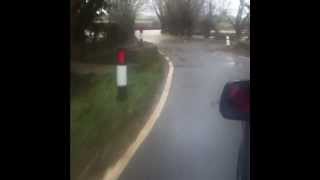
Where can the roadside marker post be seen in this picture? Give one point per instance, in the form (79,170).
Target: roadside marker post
(140,36)
(122,75)
(227,40)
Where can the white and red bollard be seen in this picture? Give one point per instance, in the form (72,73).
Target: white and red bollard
(227,40)
(122,74)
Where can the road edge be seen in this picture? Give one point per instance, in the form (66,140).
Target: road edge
(114,172)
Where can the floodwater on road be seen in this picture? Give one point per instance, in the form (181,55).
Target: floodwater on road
(191,140)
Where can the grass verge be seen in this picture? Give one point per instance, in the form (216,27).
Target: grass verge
(241,48)
(101,126)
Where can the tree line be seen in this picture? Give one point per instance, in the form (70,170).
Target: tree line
(182,17)
(177,17)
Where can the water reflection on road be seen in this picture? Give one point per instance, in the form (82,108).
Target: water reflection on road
(191,140)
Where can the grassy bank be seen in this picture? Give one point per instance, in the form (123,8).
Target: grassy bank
(237,47)
(242,48)
(101,126)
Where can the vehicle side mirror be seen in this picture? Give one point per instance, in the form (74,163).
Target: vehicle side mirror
(235,101)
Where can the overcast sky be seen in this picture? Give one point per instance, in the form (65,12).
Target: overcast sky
(233,7)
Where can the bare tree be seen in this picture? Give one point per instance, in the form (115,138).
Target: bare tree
(247,19)
(221,6)
(178,16)
(124,13)
(212,15)
(160,8)
(207,21)
(241,21)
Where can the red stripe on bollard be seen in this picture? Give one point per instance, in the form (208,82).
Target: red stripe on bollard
(121,57)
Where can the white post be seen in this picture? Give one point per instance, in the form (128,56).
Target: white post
(227,41)
(140,36)
(121,75)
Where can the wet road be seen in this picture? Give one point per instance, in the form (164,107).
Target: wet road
(191,140)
